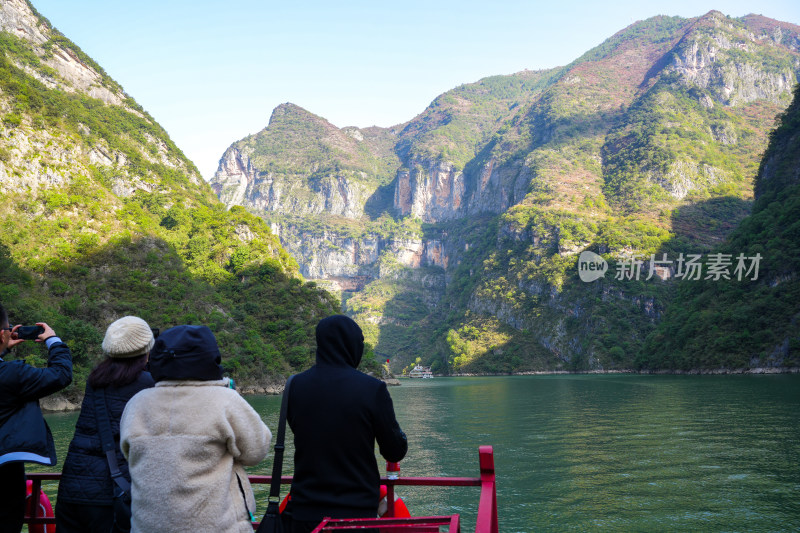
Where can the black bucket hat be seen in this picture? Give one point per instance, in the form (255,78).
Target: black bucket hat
(186,353)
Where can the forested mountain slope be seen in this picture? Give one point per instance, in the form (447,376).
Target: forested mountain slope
(101,215)
(726,323)
(456,237)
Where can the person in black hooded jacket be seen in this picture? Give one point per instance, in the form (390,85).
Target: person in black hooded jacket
(337,414)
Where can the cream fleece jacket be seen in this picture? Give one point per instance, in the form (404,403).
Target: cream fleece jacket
(186,443)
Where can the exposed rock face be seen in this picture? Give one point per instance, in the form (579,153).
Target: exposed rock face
(332,256)
(431,192)
(238,182)
(708,60)
(686,176)
(57,403)
(499,187)
(17,19)
(81,76)
(436,191)
(233,178)
(352,262)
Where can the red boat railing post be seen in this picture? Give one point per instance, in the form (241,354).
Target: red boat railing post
(487,508)
(389,499)
(392,473)
(33,503)
(455,524)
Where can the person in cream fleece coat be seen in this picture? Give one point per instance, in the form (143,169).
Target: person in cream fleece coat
(187,440)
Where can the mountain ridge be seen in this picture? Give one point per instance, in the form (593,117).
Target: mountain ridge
(645,144)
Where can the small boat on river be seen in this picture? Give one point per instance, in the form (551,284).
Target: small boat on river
(388,523)
(421,372)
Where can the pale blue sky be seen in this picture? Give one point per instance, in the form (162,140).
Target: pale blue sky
(211,71)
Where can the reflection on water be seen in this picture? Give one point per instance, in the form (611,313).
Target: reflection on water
(586,452)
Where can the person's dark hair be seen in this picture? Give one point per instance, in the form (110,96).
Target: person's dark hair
(117,371)
(3,316)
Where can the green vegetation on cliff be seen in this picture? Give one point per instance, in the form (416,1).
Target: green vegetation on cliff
(103,216)
(297,142)
(644,146)
(458,123)
(730,324)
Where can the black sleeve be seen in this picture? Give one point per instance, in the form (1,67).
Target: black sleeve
(392,441)
(35,383)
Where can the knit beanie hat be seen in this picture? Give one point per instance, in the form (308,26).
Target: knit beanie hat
(129,336)
(186,353)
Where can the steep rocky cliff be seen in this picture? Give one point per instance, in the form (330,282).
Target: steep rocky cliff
(302,164)
(643,146)
(103,216)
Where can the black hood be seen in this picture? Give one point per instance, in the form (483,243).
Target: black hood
(186,353)
(339,341)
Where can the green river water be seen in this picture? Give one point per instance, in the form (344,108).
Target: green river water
(596,452)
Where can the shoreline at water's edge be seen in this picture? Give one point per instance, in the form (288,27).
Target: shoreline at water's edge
(58,404)
(692,372)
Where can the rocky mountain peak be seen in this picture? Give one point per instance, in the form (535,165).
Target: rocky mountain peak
(727,59)
(714,17)
(288,111)
(780,33)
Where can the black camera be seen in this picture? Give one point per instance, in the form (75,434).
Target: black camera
(29,333)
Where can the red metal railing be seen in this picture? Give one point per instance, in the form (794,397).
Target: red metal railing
(485,523)
(424,524)
(32,509)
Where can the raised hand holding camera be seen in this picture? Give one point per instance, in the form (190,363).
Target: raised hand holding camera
(39,333)
(28,333)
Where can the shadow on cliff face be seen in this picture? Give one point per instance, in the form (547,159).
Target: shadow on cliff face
(381,201)
(437,320)
(705,224)
(263,318)
(582,326)
(750,320)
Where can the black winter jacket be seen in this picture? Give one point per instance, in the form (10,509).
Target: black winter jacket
(24,435)
(85,478)
(337,414)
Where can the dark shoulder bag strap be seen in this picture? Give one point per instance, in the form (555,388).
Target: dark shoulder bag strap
(107,439)
(272,516)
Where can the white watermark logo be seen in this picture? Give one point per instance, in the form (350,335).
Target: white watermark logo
(591,266)
(689,267)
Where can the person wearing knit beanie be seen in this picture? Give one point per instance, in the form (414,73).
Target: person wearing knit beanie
(86,491)
(129,336)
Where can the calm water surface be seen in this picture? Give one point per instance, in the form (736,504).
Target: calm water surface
(596,452)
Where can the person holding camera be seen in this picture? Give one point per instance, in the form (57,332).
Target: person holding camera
(24,434)
(86,492)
